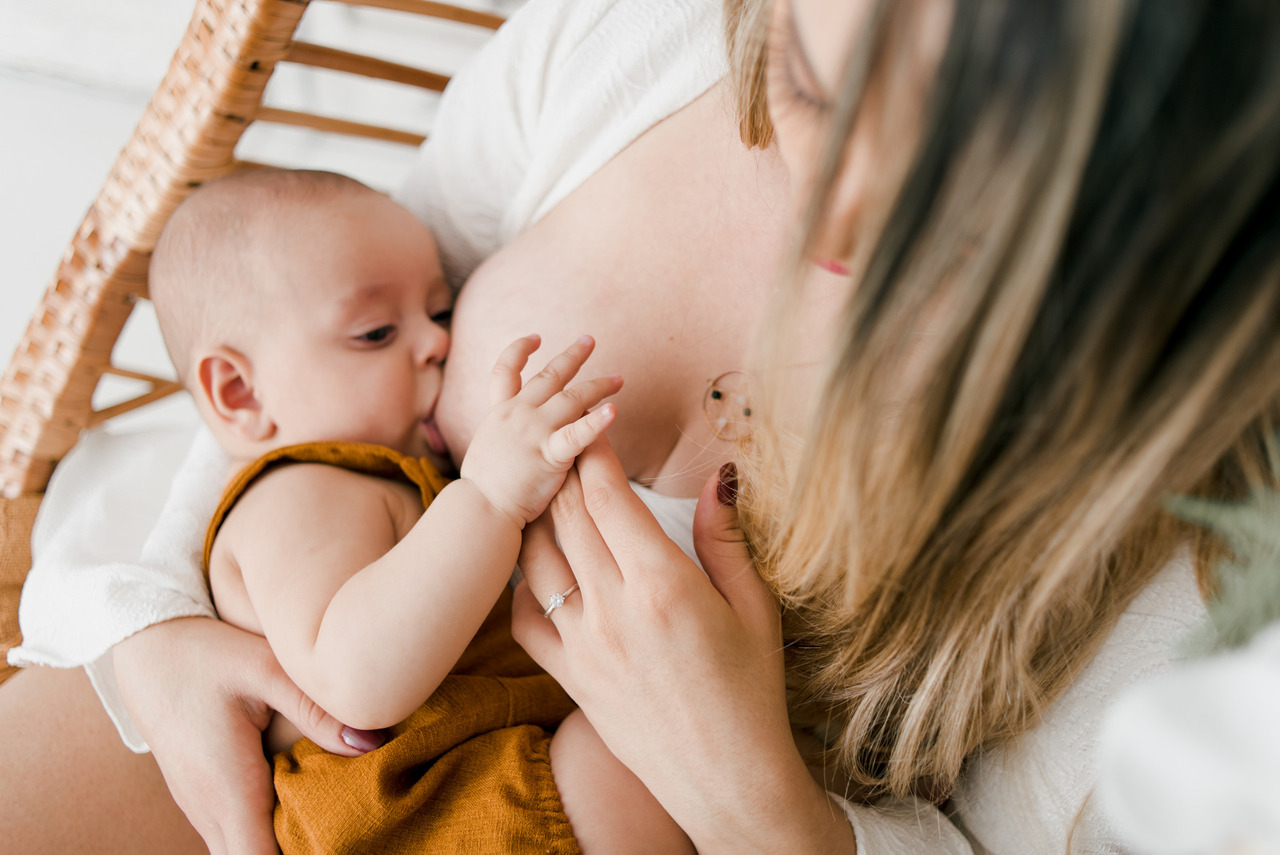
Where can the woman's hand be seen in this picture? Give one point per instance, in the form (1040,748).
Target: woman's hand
(680,673)
(201,691)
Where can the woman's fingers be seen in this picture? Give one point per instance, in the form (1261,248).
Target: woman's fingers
(504,382)
(581,546)
(281,694)
(541,562)
(722,547)
(617,515)
(201,691)
(539,637)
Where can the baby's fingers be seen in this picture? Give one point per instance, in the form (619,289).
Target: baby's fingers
(570,404)
(566,444)
(558,372)
(504,382)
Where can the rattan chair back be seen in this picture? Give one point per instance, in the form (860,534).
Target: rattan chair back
(189,133)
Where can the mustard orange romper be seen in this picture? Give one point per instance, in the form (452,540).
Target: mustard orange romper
(469,771)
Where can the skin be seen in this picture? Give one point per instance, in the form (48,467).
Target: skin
(355,352)
(699,209)
(702,718)
(702,209)
(356,346)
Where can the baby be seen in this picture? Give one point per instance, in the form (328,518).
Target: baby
(308,316)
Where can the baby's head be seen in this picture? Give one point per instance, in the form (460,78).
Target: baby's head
(300,306)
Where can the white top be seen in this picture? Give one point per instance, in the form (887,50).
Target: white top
(1188,761)
(559,90)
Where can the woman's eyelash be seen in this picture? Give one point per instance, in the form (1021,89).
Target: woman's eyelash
(802,94)
(379,335)
(781,54)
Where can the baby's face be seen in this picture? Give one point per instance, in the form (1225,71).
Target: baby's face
(357,328)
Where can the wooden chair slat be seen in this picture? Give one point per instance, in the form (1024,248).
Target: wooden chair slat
(338,126)
(320,56)
(434,10)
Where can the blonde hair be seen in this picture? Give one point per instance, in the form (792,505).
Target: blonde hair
(1089,226)
(746,39)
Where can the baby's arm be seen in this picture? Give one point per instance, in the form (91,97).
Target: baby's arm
(366,626)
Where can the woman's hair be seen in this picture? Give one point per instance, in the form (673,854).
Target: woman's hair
(1066,309)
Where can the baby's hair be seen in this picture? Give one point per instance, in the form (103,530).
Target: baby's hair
(206,275)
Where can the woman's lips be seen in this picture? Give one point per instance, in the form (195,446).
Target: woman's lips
(435,441)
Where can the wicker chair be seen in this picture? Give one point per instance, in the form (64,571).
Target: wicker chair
(212,92)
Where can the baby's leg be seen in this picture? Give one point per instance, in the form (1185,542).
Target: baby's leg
(609,808)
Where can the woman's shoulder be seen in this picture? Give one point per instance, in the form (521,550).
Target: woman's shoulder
(1035,792)
(561,88)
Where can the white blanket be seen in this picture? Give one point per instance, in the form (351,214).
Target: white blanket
(102,567)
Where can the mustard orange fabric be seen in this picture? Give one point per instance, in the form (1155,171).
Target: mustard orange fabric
(469,771)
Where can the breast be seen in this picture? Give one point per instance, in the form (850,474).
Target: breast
(666,256)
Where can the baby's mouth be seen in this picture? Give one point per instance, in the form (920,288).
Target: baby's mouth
(435,441)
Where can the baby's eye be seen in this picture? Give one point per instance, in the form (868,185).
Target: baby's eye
(443,318)
(379,335)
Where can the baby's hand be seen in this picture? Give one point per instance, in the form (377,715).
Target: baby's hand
(530,437)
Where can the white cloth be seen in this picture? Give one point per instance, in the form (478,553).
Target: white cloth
(560,90)
(1188,760)
(1026,797)
(112,555)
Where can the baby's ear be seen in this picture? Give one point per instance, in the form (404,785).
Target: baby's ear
(226,385)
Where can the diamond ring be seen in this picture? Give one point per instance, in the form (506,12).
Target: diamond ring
(555,601)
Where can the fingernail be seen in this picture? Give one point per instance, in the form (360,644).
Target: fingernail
(585,339)
(363,740)
(727,486)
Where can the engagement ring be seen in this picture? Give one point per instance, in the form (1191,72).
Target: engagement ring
(555,601)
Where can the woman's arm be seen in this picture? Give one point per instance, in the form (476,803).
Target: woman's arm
(700,715)
(201,692)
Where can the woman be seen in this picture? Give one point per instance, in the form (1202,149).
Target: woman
(1067,260)
(975,500)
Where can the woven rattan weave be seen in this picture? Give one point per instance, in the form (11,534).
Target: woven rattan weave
(211,93)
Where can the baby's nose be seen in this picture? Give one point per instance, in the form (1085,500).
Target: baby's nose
(435,344)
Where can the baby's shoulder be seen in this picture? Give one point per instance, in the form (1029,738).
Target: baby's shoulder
(314,483)
(307,498)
